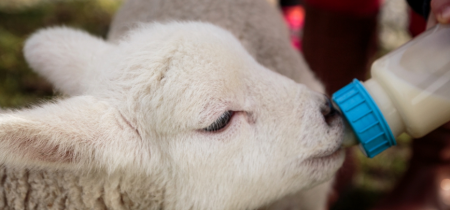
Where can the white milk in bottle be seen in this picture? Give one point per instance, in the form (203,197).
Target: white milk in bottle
(409,92)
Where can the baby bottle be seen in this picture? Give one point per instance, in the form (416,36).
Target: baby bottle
(409,92)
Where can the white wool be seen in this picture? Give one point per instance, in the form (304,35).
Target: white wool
(130,135)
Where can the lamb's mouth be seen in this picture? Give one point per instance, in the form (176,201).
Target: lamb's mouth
(327,157)
(330,161)
(330,112)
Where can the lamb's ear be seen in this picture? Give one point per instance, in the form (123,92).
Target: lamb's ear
(63,56)
(77,132)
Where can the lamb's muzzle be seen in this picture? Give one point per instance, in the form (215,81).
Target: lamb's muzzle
(329,111)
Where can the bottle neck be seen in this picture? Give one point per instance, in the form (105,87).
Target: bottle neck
(386,106)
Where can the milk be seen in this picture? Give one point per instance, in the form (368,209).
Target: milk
(406,108)
(409,92)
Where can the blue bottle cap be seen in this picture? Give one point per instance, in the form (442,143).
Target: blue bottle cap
(366,120)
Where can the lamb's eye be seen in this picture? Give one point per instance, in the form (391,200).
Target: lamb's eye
(220,123)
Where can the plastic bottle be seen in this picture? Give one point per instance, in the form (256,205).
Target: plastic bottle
(409,92)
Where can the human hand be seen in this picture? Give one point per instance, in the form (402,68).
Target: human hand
(440,13)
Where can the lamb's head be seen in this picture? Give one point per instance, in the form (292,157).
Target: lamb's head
(183,103)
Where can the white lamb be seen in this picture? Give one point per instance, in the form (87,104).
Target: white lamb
(173,116)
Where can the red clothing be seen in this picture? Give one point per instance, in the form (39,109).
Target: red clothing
(351,7)
(295,18)
(294,13)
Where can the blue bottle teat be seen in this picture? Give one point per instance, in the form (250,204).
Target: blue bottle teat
(365,118)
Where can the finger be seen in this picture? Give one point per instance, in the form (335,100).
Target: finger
(431,20)
(441,10)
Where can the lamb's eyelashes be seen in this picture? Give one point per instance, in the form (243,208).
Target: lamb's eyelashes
(220,123)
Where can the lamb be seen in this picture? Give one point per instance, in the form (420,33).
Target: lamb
(172,115)
(258,25)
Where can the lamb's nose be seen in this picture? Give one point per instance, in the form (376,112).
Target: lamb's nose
(328,110)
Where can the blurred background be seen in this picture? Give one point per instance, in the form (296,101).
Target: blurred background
(20,87)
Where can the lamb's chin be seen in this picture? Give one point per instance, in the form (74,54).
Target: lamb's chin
(325,165)
(336,156)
